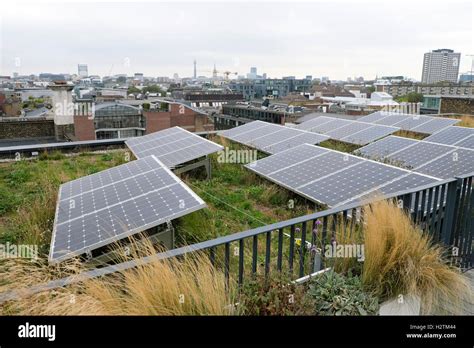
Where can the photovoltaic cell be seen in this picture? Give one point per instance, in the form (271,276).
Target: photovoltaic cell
(369,134)
(410,122)
(304,172)
(450,135)
(418,154)
(172,146)
(229,133)
(286,158)
(273,138)
(302,138)
(315,122)
(374,117)
(458,162)
(329,177)
(103,208)
(384,147)
(349,129)
(434,125)
(406,182)
(390,120)
(467,143)
(353,181)
(333,124)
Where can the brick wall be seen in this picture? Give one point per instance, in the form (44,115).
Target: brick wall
(26,129)
(178,115)
(84,128)
(457,105)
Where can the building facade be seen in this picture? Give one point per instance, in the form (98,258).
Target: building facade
(440,65)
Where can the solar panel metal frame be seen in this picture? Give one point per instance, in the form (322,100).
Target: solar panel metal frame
(172,134)
(129,232)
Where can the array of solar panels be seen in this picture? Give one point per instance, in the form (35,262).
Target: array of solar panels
(172,146)
(348,131)
(105,207)
(271,138)
(332,177)
(414,123)
(426,157)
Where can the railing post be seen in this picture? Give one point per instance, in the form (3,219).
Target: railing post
(449,217)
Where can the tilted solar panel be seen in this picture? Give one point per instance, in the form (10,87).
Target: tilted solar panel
(116,203)
(434,125)
(418,154)
(172,146)
(451,135)
(273,138)
(467,143)
(384,147)
(327,176)
(458,162)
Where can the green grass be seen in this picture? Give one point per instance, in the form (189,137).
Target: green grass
(339,146)
(237,199)
(28,192)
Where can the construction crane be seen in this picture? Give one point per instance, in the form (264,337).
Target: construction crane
(226,73)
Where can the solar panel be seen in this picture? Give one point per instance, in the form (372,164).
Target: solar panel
(349,129)
(412,121)
(272,138)
(333,124)
(384,147)
(390,120)
(172,146)
(315,122)
(323,175)
(434,125)
(346,184)
(229,133)
(406,182)
(269,139)
(458,162)
(302,138)
(103,208)
(307,171)
(374,117)
(467,143)
(371,133)
(418,154)
(450,135)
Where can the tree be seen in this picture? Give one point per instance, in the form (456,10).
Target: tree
(414,97)
(133,90)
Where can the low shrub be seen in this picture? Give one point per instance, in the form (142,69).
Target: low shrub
(275,295)
(336,294)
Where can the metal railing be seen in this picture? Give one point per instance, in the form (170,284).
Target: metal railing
(444,209)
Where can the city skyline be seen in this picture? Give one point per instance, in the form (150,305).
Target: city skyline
(319,39)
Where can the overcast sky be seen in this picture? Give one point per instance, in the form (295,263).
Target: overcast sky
(335,39)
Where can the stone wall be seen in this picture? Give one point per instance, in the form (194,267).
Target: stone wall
(26,129)
(457,106)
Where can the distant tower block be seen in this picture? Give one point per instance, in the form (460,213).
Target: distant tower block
(195,75)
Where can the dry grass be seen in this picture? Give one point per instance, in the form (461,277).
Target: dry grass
(190,286)
(466,121)
(400,259)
